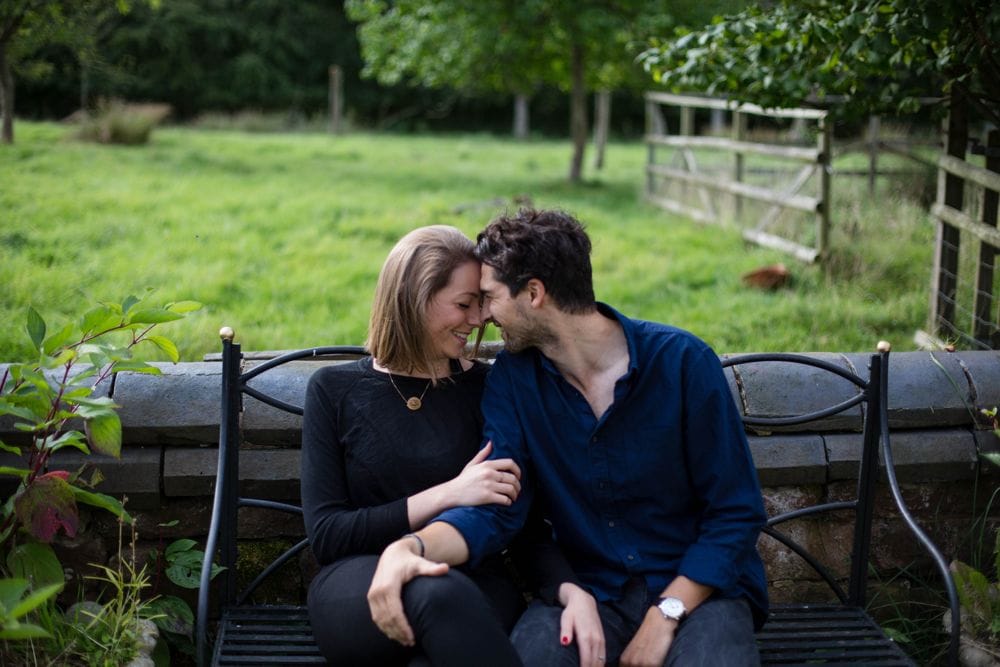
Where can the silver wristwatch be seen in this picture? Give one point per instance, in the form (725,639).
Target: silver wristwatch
(672,608)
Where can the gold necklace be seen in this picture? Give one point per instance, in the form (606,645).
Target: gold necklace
(414,403)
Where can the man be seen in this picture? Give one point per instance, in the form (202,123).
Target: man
(626,435)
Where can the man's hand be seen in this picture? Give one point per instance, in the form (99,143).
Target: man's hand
(581,622)
(650,644)
(398,564)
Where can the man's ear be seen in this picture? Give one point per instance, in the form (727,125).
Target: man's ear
(536,292)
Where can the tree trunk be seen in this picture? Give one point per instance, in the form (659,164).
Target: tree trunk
(602,120)
(577,115)
(6,97)
(521,116)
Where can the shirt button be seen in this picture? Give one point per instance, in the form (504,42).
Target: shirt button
(611,524)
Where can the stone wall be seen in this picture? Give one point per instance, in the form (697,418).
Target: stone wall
(171,422)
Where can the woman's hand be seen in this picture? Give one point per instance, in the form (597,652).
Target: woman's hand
(581,623)
(482,482)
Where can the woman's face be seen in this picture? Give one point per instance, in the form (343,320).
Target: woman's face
(453,312)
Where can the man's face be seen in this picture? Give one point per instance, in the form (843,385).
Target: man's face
(512,314)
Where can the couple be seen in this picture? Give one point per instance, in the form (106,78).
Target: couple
(614,465)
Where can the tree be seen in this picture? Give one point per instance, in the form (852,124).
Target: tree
(508,46)
(27,25)
(881,56)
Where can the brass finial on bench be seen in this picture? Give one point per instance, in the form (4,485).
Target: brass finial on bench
(227,333)
(883,346)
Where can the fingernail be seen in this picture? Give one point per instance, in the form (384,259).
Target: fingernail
(565,641)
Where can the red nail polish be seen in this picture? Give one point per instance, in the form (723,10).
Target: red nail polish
(565,641)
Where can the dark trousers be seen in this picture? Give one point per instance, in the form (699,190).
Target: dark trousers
(457,619)
(719,633)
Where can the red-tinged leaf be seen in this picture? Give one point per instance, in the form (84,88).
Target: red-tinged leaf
(61,474)
(46,506)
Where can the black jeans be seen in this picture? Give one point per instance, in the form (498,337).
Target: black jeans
(457,619)
(719,633)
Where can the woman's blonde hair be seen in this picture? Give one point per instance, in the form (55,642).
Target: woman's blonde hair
(418,267)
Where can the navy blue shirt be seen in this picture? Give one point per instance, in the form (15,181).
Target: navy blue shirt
(661,485)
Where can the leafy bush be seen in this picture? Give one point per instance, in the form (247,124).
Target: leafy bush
(51,398)
(120,123)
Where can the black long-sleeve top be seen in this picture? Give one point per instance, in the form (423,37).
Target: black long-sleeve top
(364,452)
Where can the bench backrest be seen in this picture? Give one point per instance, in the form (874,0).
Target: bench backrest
(222,533)
(832,396)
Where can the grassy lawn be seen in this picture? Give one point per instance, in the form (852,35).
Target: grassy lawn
(281,237)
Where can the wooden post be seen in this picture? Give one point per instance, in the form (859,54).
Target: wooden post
(874,125)
(985,327)
(950,193)
(823,213)
(686,130)
(738,131)
(602,120)
(654,127)
(521,116)
(336,99)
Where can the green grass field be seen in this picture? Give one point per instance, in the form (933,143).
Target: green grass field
(281,237)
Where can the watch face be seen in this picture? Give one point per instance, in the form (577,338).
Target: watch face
(672,607)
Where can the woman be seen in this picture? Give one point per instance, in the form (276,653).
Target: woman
(389,442)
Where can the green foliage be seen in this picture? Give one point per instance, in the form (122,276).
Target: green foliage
(228,55)
(182,563)
(119,123)
(58,386)
(881,55)
(18,600)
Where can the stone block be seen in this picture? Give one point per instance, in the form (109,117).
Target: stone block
(136,475)
(777,389)
(934,455)
(264,424)
(778,500)
(843,451)
(789,459)
(928,390)
(982,372)
(264,473)
(181,406)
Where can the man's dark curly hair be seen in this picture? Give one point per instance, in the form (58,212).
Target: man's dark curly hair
(549,245)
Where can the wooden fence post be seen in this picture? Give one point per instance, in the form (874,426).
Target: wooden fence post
(950,194)
(738,131)
(654,127)
(985,328)
(336,99)
(602,121)
(825,146)
(874,125)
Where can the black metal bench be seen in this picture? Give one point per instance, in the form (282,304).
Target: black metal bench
(819,633)
(841,631)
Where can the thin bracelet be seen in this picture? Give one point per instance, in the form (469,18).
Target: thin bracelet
(419,541)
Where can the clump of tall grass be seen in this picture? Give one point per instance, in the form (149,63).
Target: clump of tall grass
(116,122)
(261,121)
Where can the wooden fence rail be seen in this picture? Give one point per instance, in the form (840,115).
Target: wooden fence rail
(968,316)
(686,172)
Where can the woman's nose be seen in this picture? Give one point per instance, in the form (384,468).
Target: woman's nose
(475,317)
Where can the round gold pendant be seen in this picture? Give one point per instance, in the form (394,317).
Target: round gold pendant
(414,403)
